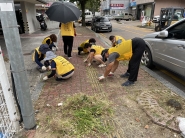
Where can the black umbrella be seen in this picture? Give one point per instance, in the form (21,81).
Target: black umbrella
(63,12)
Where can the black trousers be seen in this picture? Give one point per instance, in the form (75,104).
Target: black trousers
(68,45)
(138,47)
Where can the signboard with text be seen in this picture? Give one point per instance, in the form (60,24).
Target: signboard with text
(117,6)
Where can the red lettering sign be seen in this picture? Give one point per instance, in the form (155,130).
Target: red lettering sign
(116,5)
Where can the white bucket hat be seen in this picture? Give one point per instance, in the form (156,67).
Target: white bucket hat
(49,55)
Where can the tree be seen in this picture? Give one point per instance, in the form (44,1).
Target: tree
(81,3)
(93,5)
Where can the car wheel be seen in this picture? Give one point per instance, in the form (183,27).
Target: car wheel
(110,30)
(147,58)
(91,28)
(157,28)
(95,30)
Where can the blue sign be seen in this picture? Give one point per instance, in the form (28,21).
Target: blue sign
(132,4)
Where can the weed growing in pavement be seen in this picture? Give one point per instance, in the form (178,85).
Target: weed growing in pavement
(79,116)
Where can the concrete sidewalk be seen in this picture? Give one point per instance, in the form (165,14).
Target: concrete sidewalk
(140,110)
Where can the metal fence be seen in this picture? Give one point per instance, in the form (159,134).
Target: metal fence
(9,124)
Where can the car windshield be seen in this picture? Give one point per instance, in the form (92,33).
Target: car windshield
(102,20)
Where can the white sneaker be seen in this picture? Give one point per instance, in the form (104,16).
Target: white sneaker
(102,65)
(69,57)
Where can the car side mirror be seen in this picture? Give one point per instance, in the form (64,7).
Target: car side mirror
(163,34)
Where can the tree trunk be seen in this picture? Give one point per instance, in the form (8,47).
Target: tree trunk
(83,12)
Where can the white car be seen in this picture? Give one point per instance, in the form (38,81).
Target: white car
(110,17)
(156,19)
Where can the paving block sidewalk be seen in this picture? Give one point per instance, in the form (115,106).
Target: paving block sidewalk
(129,119)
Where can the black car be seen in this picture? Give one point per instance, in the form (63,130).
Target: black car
(100,23)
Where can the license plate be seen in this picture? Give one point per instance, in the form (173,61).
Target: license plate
(42,23)
(104,28)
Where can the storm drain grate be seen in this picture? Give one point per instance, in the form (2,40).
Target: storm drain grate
(155,112)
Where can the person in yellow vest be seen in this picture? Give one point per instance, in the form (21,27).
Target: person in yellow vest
(116,40)
(96,53)
(68,32)
(50,41)
(128,50)
(81,47)
(39,54)
(60,67)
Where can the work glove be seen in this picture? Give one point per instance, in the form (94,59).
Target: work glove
(49,67)
(101,78)
(43,68)
(85,60)
(45,78)
(102,65)
(89,64)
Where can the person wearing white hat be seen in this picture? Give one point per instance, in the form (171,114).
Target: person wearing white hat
(60,67)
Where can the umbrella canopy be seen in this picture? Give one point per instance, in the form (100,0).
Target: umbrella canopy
(63,12)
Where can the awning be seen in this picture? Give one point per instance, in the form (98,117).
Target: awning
(32,1)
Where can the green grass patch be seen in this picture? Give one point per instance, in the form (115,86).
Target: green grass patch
(80,116)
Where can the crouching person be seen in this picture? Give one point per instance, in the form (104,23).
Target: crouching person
(39,55)
(60,67)
(81,47)
(95,53)
(50,41)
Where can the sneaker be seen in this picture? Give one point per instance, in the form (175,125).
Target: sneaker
(69,57)
(127,83)
(38,68)
(126,75)
(111,74)
(102,65)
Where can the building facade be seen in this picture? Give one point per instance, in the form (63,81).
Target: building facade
(114,7)
(166,4)
(144,8)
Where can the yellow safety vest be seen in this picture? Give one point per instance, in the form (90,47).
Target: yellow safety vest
(124,49)
(98,49)
(119,37)
(63,66)
(39,53)
(67,29)
(83,44)
(45,39)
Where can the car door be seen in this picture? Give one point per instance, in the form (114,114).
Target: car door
(172,49)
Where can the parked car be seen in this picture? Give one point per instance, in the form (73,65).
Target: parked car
(88,17)
(110,17)
(101,23)
(124,16)
(166,48)
(156,19)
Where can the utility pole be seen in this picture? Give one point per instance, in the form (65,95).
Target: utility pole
(14,49)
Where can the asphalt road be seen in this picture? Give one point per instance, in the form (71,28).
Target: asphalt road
(128,30)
